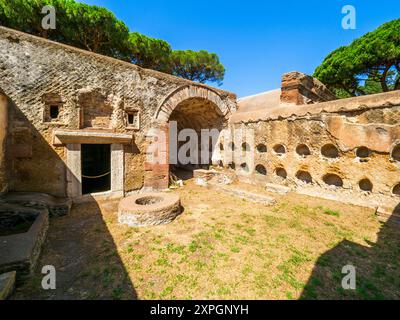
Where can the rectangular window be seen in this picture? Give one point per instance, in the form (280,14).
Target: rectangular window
(54,112)
(132,119)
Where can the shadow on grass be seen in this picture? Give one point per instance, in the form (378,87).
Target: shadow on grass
(377,267)
(86,259)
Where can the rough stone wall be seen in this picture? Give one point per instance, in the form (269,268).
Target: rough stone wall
(301,89)
(348,148)
(91,92)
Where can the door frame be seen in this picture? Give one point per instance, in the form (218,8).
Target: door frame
(74,172)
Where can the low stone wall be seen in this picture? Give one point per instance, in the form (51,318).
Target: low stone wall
(20,252)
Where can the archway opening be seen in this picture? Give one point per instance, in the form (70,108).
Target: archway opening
(198,122)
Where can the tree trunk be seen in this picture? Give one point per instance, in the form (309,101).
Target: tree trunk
(383,79)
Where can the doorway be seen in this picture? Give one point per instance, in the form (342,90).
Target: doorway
(201,116)
(96,168)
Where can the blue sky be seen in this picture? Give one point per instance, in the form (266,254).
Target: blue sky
(257,41)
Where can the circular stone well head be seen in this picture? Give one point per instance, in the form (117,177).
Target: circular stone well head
(149,209)
(148,200)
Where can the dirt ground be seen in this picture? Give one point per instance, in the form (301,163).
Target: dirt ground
(222,247)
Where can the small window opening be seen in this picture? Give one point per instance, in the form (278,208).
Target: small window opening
(54,112)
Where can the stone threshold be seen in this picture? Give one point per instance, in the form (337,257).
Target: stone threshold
(250,196)
(99,196)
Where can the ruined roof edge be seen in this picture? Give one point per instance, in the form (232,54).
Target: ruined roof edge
(29,37)
(284,111)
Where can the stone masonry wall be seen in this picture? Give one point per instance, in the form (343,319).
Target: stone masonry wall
(344,149)
(91,92)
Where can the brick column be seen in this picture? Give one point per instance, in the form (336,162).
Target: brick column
(157,158)
(300,89)
(3,142)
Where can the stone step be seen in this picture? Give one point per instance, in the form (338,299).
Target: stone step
(276,188)
(250,196)
(57,206)
(203,177)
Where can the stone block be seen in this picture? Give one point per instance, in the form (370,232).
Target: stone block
(20,251)
(276,188)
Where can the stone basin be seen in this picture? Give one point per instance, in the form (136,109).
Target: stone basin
(149,209)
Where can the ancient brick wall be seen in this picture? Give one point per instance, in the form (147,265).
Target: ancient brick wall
(344,149)
(53,86)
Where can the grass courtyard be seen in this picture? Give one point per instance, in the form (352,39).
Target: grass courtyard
(222,247)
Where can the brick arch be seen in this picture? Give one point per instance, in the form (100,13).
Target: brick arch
(168,105)
(157,175)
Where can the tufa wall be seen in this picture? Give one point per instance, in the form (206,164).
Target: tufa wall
(348,150)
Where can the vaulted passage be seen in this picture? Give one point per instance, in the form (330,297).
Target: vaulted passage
(96,168)
(196,114)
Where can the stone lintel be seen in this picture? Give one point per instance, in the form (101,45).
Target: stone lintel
(61,137)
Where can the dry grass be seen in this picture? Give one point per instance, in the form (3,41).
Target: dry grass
(223,247)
